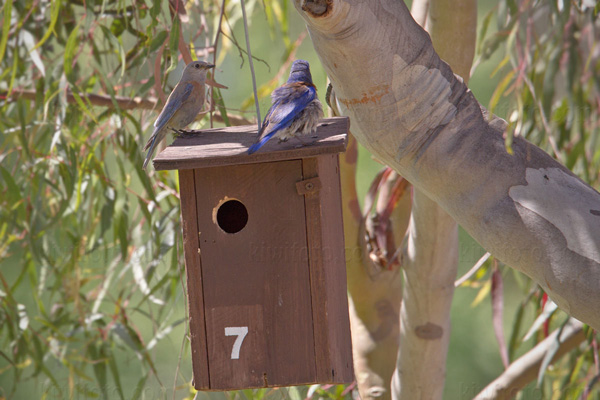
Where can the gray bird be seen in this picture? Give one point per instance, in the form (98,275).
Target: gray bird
(184,103)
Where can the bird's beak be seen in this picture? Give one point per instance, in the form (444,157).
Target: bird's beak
(208,66)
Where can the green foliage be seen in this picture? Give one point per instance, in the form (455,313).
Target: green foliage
(90,245)
(550,77)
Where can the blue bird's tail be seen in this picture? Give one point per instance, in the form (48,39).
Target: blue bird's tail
(252,149)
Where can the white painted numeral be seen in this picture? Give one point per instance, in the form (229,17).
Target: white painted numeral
(240,332)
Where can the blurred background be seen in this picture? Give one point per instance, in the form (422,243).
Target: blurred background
(92,287)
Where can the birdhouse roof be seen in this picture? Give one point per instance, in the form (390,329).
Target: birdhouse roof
(229,146)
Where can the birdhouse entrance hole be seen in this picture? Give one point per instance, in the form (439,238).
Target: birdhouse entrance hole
(232,216)
(264,255)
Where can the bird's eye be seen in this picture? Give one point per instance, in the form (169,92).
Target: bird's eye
(197,66)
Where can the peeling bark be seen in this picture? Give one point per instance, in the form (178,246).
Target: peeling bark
(409,109)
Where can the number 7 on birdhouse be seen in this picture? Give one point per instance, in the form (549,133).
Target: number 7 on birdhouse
(240,332)
(264,256)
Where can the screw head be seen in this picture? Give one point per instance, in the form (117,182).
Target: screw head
(309,186)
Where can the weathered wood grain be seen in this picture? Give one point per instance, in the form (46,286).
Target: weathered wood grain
(325,237)
(279,274)
(228,146)
(257,277)
(334,271)
(193,268)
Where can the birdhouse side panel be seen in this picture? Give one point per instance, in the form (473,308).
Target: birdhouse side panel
(328,271)
(189,223)
(256,283)
(334,256)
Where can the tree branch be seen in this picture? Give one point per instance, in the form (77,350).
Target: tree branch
(409,109)
(473,270)
(525,369)
(432,256)
(451,24)
(420,11)
(124,103)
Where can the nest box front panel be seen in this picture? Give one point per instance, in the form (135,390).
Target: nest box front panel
(255,275)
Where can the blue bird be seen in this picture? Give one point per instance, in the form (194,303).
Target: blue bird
(184,103)
(295,108)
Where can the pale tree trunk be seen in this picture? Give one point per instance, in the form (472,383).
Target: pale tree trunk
(430,264)
(431,259)
(374,294)
(373,299)
(429,273)
(407,107)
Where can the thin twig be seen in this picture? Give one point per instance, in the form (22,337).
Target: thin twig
(251,64)
(215,47)
(239,48)
(286,64)
(525,368)
(589,387)
(544,119)
(473,270)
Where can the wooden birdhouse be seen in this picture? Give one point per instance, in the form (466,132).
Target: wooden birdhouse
(264,255)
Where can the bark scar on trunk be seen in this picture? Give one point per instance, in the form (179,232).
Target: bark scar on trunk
(429,331)
(317,8)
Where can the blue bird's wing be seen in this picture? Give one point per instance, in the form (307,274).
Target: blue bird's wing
(288,101)
(174,102)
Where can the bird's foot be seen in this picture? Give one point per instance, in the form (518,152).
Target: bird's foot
(182,133)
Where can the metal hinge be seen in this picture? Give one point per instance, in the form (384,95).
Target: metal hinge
(308,186)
